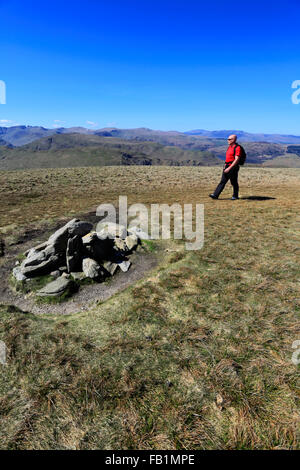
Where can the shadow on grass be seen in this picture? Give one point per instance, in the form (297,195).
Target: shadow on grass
(258,198)
(250,198)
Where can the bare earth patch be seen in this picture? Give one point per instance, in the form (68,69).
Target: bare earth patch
(142,262)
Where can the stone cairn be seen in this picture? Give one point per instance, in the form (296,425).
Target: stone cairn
(75,252)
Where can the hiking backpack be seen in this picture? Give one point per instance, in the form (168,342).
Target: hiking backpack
(243,155)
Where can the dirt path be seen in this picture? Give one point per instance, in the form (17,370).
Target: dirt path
(87,295)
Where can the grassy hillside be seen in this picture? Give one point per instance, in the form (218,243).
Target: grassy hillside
(294,149)
(196,139)
(21,135)
(71,150)
(195,356)
(247,136)
(141,146)
(257,152)
(3,142)
(171,138)
(288,160)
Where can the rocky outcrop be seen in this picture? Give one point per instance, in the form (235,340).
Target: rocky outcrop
(41,262)
(56,288)
(18,275)
(97,246)
(76,252)
(59,239)
(111,230)
(62,248)
(110,267)
(125,265)
(131,242)
(138,232)
(91,268)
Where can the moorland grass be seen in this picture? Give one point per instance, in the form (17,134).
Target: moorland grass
(195,356)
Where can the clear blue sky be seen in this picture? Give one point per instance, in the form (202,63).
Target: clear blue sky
(176,65)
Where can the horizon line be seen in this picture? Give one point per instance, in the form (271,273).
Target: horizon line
(151,129)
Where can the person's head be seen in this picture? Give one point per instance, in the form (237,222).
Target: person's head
(232,139)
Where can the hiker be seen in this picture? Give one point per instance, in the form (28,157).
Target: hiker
(231,168)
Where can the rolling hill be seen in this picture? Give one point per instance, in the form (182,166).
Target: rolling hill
(257,152)
(22,135)
(246,136)
(2,142)
(111,146)
(197,139)
(290,160)
(73,150)
(294,149)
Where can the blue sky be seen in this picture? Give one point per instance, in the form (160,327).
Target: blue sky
(176,65)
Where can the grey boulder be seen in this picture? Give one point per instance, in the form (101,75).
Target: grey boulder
(120,245)
(38,266)
(97,248)
(75,227)
(39,247)
(17,273)
(138,232)
(55,273)
(111,230)
(78,276)
(89,238)
(124,266)
(131,242)
(110,267)
(91,268)
(37,257)
(74,253)
(55,288)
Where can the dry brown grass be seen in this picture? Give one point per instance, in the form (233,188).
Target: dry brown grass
(197,355)
(29,196)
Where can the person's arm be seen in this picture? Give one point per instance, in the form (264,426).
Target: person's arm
(235,162)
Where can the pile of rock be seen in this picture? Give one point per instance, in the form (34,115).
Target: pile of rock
(75,252)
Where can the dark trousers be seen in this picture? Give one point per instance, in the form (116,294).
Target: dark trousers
(232,175)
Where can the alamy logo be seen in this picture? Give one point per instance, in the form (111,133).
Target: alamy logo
(296,94)
(2,92)
(159,221)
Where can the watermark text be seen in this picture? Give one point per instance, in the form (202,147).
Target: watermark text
(2,92)
(296,94)
(157,221)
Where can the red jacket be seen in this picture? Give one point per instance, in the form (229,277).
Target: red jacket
(230,157)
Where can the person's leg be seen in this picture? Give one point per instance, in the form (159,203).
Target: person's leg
(221,185)
(233,175)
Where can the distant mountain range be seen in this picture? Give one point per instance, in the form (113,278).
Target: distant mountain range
(21,135)
(37,147)
(247,136)
(73,150)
